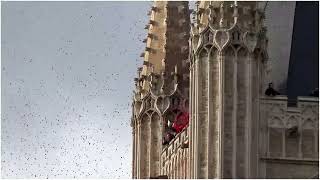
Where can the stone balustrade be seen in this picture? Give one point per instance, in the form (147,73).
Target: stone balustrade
(289,133)
(174,156)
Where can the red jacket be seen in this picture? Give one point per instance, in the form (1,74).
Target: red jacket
(181,121)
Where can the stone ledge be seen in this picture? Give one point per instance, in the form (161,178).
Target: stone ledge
(291,160)
(276,98)
(308,99)
(285,98)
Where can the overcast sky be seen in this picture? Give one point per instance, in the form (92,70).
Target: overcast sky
(67,81)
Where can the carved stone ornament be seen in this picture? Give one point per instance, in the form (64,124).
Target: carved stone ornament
(162,104)
(275,122)
(292,121)
(163,89)
(221,39)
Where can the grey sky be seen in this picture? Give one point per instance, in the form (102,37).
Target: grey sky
(67,81)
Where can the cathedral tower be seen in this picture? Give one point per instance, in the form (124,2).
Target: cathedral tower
(162,84)
(227,73)
(236,130)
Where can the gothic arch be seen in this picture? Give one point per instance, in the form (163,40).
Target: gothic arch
(242,52)
(308,124)
(144,118)
(275,122)
(214,52)
(208,47)
(203,53)
(231,50)
(151,111)
(291,122)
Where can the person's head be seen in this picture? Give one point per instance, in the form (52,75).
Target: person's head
(270,85)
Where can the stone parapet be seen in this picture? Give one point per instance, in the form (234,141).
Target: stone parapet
(174,145)
(174,156)
(289,132)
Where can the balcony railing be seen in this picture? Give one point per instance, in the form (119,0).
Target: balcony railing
(174,156)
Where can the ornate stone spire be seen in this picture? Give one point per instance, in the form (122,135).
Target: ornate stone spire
(166,43)
(159,81)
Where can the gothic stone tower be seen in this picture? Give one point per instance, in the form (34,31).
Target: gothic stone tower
(227,73)
(235,131)
(162,84)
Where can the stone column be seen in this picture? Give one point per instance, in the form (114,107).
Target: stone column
(234,118)
(242,113)
(206,126)
(214,116)
(249,115)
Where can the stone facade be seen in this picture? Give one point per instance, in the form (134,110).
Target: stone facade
(234,130)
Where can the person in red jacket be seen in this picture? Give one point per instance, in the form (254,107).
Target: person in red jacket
(181,121)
